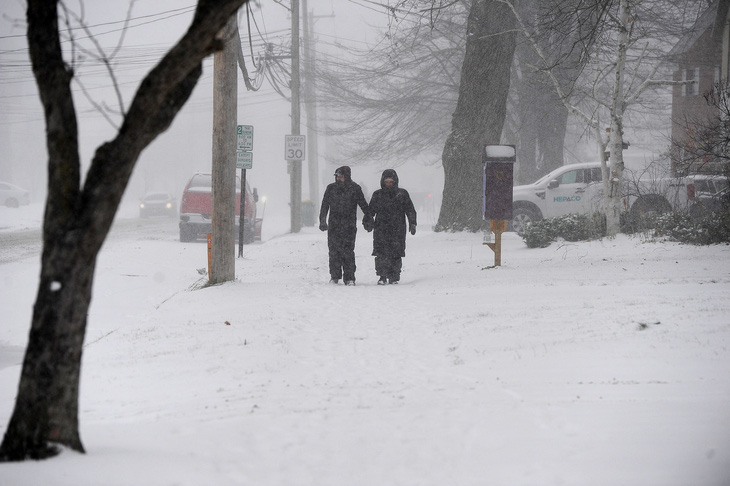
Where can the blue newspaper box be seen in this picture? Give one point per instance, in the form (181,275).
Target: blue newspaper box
(499,162)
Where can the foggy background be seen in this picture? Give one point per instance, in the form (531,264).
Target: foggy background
(186,147)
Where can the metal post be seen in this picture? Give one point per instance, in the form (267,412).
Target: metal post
(310,102)
(242,211)
(296,165)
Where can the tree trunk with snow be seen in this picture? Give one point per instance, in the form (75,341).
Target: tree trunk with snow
(480,112)
(77,219)
(613,194)
(602,25)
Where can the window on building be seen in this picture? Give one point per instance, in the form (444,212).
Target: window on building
(691,89)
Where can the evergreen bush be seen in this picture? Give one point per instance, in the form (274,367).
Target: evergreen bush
(713,228)
(571,227)
(674,226)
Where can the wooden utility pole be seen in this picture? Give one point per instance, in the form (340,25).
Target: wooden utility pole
(295,168)
(310,103)
(225,96)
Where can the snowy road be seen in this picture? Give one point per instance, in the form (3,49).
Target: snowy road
(20,244)
(17,245)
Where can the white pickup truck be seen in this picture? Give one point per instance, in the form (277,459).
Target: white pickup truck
(578,188)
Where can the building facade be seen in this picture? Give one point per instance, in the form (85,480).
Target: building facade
(701,60)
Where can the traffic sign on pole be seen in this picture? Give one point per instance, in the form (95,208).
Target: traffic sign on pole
(294,147)
(244,160)
(245,138)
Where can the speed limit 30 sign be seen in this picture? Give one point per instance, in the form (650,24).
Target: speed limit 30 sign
(294,147)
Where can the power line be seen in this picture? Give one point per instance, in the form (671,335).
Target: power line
(178,12)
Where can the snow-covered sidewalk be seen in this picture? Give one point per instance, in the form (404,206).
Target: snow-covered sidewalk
(599,363)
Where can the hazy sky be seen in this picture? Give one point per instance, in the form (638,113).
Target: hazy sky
(186,146)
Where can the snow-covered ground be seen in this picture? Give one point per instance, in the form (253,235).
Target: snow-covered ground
(594,363)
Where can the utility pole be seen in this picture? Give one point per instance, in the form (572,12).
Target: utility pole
(295,168)
(310,102)
(225,96)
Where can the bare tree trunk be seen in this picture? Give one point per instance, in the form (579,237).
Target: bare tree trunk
(542,118)
(525,132)
(77,220)
(480,112)
(542,123)
(618,107)
(551,137)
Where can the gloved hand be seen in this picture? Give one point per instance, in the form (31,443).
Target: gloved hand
(367,224)
(323,226)
(412,228)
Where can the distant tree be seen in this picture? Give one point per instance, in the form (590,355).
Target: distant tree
(78,217)
(480,112)
(622,46)
(393,102)
(537,118)
(396,100)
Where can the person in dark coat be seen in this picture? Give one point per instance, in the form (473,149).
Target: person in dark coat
(340,200)
(391,206)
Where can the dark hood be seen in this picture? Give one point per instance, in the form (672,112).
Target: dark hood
(344,170)
(389,174)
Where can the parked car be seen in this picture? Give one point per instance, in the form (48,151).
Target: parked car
(157,204)
(13,196)
(196,209)
(578,188)
(709,195)
(568,189)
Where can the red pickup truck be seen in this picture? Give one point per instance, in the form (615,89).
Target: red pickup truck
(196,209)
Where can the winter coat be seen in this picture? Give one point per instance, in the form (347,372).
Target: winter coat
(390,207)
(340,200)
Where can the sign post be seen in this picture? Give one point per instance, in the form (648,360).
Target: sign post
(244,138)
(498,163)
(210,257)
(294,146)
(294,154)
(244,160)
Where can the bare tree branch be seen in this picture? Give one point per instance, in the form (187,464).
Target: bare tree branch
(76,220)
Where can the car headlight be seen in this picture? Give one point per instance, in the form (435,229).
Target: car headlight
(141,206)
(168,205)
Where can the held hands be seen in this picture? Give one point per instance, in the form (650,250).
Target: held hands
(412,229)
(368,225)
(323,226)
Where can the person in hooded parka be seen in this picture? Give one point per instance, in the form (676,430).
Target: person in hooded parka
(340,200)
(391,206)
